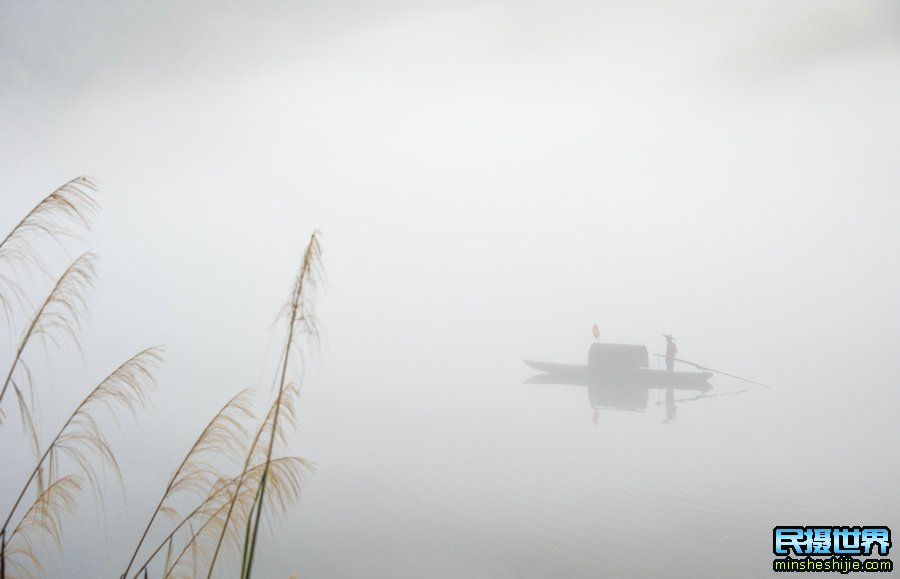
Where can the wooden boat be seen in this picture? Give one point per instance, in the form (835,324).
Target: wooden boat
(617,364)
(582,374)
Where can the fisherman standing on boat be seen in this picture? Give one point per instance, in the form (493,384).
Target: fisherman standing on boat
(596,331)
(671,350)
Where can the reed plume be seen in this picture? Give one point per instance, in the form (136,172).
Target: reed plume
(126,386)
(63,213)
(42,520)
(285,483)
(72,203)
(60,214)
(229,497)
(58,316)
(60,313)
(224,435)
(223,495)
(211,504)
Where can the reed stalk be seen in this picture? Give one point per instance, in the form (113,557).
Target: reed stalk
(300,318)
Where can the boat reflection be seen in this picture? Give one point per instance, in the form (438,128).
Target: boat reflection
(671,408)
(623,392)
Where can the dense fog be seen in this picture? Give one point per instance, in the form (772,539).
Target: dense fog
(489,180)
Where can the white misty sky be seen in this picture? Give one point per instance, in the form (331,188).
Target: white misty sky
(481,154)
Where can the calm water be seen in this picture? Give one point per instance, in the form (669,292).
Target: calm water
(454,473)
(484,476)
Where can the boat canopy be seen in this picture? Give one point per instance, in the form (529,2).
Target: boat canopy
(618,356)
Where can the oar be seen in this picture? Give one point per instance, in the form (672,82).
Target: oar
(708,396)
(699,367)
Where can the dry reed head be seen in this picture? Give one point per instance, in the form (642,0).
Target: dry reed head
(64,213)
(223,439)
(225,436)
(125,387)
(299,310)
(64,310)
(225,512)
(259,451)
(81,439)
(43,520)
(60,214)
(59,316)
(286,409)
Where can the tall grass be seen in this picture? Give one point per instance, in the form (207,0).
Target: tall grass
(301,321)
(235,473)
